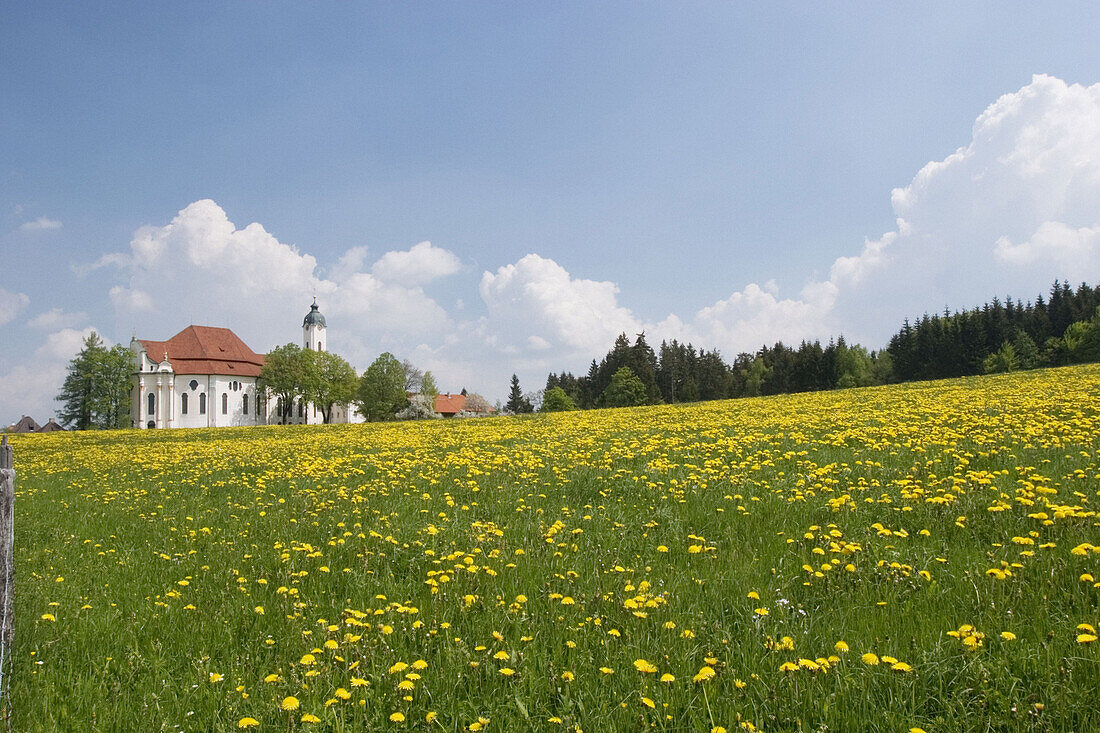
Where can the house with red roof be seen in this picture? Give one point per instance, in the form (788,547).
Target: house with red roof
(208,377)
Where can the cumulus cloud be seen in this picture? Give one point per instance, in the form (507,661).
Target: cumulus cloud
(40,224)
(419,265)
(201,268)
(1029,174)
(11,305)
(56,318)
(536,297)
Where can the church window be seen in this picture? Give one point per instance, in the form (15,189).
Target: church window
(194,385)
(202,403)
(152,403)
(225,403)
(320,347)
(299,409)
(183,403)
(245,404)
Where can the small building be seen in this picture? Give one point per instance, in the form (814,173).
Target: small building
(50,426)
(26,424)
(449,405)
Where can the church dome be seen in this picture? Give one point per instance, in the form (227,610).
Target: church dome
(314,317)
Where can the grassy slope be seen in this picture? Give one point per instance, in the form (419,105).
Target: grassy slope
(153,550)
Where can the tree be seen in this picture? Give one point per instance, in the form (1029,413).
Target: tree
(428,386)
(95,393)
(382,389)
(1003,360)
(476,406)
(414,378)
(556,400)
(517,403)
(329,381)
(284,376)
(420,407)
(625,390)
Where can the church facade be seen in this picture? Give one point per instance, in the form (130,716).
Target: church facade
(206,377)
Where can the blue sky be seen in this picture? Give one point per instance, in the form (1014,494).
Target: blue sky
(697,170)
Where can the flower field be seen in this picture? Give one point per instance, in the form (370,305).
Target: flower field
(913,556)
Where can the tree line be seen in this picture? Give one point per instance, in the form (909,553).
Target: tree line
(1063,328)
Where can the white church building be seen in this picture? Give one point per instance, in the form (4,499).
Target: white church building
(206,377)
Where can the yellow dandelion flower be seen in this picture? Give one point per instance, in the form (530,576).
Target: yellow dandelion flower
(841,646)
(1008,636)
(397,717)
(870,659)
(289,703)
(507,671)
(607,670)
(310,718)
(703,674)
(648,703)
(666,677)
(216,677)
(247,723)
(342,693)
(568,676)
(645,666)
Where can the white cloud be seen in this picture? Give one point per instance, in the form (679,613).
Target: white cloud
(11,305)
(416,266)
(40,224)
(1056,242)
(200,268)
(56,318)
(536,297)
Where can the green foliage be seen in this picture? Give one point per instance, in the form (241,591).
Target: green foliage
(854,366)
(283,377)
(517,403)
(428,387)
(96,391)
(1027,353)
(329,381)
(757,374)
(1004,360)
(556,400)
(382,389)
(625,390)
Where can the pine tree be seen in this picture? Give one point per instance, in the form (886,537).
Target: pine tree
(95,393)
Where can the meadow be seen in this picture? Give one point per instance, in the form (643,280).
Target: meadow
(906,557)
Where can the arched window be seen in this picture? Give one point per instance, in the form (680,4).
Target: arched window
(299,408)
(225,403)
(320,346)
(183,403)
(202,403)
(194,385)
(245,404)
(152,403)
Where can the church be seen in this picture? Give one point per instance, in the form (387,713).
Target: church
(207,377)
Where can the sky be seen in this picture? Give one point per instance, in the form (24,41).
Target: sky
(496,188)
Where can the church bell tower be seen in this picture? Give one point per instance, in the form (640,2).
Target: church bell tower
(313,329)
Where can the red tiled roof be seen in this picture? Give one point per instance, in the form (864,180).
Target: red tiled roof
(206,350)
(449,404)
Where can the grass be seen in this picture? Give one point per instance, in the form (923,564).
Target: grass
(194,580)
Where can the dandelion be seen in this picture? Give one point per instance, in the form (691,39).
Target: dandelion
(397,717)
(841,646)
(507,671)
(607,670)
(1008,636)
(704,674)
(568,676)
(870,658)
(216,677)
(289,703)
(310,718)
(644,666)
(247,723)
(666,678)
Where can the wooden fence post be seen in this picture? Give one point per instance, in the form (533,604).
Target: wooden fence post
(7,577)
